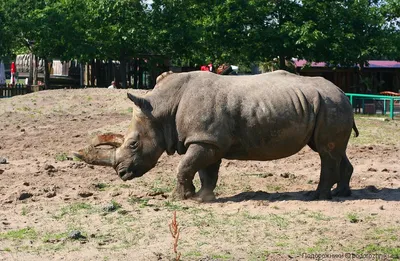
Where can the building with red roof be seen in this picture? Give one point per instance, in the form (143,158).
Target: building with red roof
(377,76)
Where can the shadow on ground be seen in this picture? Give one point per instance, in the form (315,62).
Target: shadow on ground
(370,192)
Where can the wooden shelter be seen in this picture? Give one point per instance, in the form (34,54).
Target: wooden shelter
(378,76)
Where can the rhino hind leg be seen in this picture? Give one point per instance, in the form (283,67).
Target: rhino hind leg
(208,177)
(343,186)
(198,156)
(330,166)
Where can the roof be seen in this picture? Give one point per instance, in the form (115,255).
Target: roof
(372,64)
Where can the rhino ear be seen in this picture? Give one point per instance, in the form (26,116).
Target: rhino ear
(142,103)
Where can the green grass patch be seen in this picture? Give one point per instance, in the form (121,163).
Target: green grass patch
(173,206)
(74,209)
(353,217)
(101,186)
(51,237)
(142,202)
(158,187)
(273,188)
(319,216)
(24,233)
(391,252)
(373,129)
(279,221)
(222,256)
(61,156)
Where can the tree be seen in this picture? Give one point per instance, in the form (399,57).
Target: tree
(119,30)
(175,30)
(5,36)
(344,32)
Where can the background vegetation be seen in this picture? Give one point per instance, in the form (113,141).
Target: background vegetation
(195,32)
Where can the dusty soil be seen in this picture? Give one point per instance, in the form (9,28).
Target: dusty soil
(54,207)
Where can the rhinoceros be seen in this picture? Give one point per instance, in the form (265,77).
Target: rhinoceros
(208,117)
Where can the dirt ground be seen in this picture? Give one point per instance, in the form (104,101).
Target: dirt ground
(54,207)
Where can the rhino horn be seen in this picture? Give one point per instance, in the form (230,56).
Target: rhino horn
(97,156)
(111,139)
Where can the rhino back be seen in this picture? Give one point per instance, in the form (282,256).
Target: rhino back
(260,117)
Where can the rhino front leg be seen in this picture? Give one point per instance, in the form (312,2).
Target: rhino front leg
(208,178)
(197,157)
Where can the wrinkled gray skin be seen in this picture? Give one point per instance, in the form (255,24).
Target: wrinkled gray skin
(207,117)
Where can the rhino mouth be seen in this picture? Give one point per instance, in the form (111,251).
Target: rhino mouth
(127,174)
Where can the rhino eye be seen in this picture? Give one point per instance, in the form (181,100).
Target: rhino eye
(133,146)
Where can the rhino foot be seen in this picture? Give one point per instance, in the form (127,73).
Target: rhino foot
(180,193)
(204,196)
(341,192)
(321,195)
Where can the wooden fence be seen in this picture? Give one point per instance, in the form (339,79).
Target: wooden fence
(9,90)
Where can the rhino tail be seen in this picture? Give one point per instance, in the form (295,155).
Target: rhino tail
(355,129)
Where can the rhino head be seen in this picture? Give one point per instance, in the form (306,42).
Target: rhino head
(131,155)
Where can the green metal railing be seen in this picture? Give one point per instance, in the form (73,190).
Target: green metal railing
(386,99)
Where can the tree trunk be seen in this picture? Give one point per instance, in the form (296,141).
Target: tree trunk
(98,73)
(110,71)
(282,62)
(30,78)
(122,70)
(81,75)
(135,74)
(93,73)
(46,74)
(35,70)
(140,74)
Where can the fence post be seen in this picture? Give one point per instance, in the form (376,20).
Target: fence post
(384,107)
(392,108)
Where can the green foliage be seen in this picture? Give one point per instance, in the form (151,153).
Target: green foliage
(197,32)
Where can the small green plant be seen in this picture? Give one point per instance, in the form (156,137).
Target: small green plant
(24,211)
(61,156)
(101,186)
(142,202)
(273,188)
(353,217)
(247,188)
